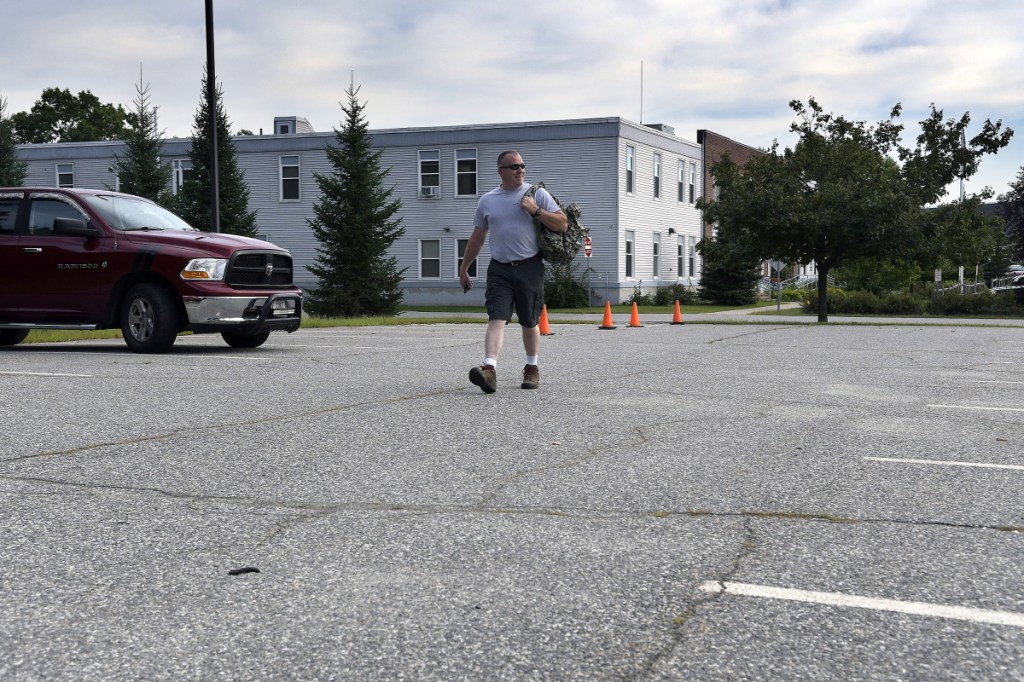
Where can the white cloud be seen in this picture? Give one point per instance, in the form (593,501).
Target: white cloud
(729,66)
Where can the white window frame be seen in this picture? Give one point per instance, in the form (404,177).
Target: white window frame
(693,182)
(630,253)
(433,259)
(180,167)
(460,249)
(681,257)
(427,189)
(657,176)
(289,179)
(630,169)
(691,252)
(656,254)
(681,195)
(462,155)
(68,171)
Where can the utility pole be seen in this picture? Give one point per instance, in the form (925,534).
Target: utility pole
(211,105)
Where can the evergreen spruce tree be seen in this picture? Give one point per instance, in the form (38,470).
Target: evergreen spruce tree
(12,169)
(193,200)
(355,225)
(1011,206)
(730,275)
(140,171)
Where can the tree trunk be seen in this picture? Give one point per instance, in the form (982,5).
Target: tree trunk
(822,294)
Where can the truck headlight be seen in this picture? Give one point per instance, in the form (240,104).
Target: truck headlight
(209,269)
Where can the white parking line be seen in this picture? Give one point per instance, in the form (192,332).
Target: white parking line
(915,608)
(948,463)
(44,374)
(983,381)
(978,407)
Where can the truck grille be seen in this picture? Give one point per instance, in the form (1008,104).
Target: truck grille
(260,269)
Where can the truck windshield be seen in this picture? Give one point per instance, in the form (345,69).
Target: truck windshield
(133,213)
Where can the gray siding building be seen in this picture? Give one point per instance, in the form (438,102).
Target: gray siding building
(637,185)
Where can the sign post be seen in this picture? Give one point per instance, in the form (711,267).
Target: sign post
(587,250)
(777,265)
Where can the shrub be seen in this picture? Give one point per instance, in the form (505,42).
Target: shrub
(902,304)
(561,289)
(670,294)
(983,304)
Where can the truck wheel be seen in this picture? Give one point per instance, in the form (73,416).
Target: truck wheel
(236,340)
(12,337)
(149,320)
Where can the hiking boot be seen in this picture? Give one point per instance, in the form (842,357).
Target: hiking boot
(483,376)
(531,376)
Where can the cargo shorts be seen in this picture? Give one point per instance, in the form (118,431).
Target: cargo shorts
(516,287)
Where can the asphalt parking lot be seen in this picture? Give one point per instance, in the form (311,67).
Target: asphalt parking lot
(695,502)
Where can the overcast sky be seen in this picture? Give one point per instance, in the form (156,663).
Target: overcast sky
(730,66)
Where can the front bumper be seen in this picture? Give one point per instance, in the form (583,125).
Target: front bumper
(244,314)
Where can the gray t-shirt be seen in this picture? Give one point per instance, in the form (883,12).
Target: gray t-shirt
(510,229)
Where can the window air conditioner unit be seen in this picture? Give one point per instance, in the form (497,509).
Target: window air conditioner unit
(430,192)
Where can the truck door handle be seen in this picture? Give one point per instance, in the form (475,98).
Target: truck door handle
(32,249)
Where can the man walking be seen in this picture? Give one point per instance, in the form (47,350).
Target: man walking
(515,274)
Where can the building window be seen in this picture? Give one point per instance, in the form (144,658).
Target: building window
(693,183)
(284,129)
(656,255)
(630,159)
(182,171)
(65,175)
(630,238)
(657,176)
(681,197)
(465,172)
(430,259)
(430,175)
(471,271)
(691,253)
(680,258)
(289,178)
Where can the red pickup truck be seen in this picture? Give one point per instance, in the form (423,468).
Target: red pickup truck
(90,259)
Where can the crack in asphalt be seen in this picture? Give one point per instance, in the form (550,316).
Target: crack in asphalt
(525,510)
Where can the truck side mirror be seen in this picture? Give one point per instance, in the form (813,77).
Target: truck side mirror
(74,227)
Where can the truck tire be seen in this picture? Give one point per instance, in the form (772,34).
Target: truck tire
(12,337)
(149,319)
(236,340)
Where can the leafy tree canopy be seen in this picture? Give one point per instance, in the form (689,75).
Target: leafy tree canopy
(59,116)
(847,191)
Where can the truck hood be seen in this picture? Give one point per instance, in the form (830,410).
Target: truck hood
(205,243)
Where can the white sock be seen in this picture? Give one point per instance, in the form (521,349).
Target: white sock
(531,359)
(491,361)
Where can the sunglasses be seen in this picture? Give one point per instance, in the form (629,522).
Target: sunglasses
(515,166)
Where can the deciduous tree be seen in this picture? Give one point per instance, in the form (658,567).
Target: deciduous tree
(59,116)
(847,190)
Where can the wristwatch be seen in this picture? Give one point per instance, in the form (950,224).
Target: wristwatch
(536,213)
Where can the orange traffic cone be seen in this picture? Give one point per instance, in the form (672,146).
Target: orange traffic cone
(634,319)
(607,324)
(545,329)
(677,316)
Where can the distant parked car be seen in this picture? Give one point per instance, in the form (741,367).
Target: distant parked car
(1015,270)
